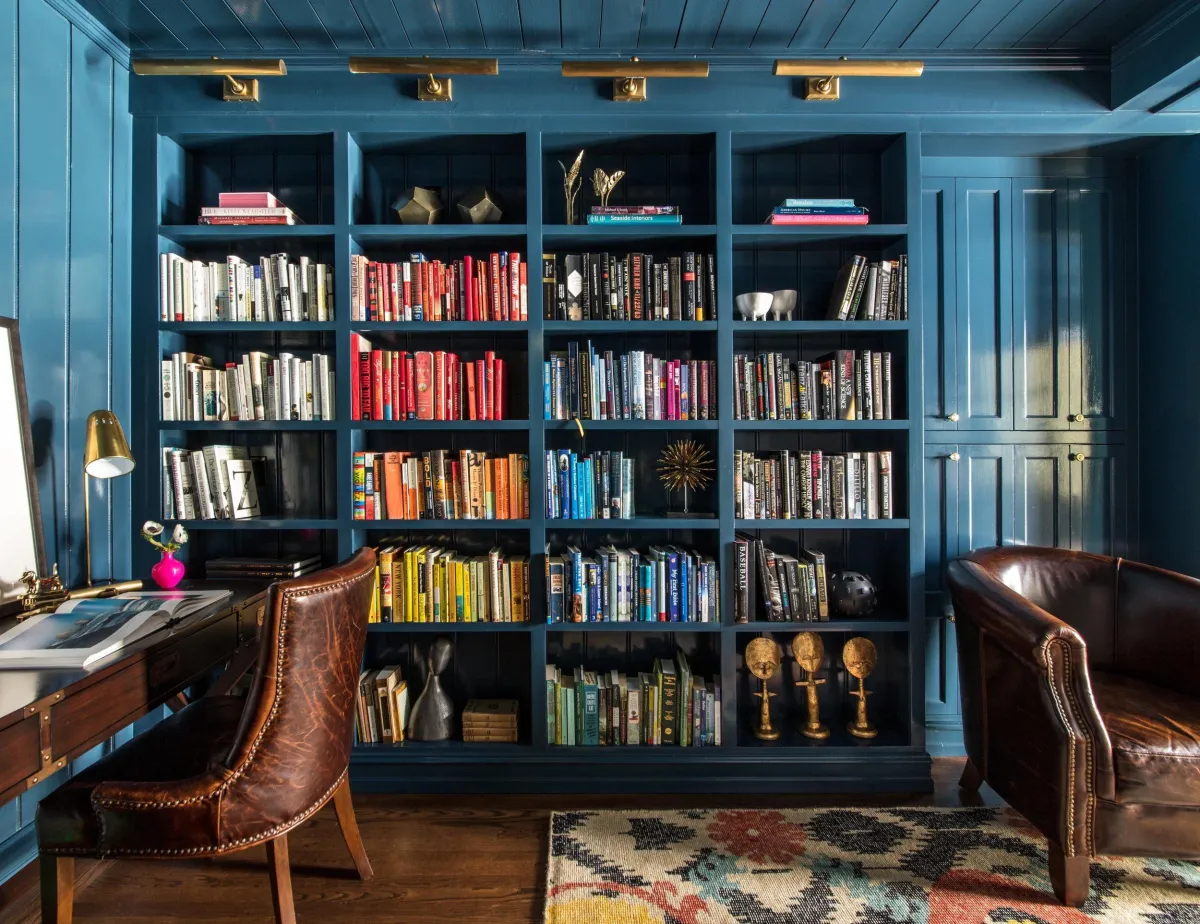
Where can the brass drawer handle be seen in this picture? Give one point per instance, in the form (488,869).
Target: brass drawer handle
(953,418)
(954,457)
(1077,457)
(1078,418)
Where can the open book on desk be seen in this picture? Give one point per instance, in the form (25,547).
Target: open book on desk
(82,633)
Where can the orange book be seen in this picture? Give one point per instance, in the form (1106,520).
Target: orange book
(424,361)
(516,492)
(393,490)
(476,496)
(489,489)
(501,487)
(470,373)
(439,385)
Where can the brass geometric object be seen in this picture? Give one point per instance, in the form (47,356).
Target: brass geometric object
(629,77)
(480,206)
(810,654)
(860,657)
(419,205)
(763,658)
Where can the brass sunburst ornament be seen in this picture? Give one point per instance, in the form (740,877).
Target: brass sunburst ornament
(685,465)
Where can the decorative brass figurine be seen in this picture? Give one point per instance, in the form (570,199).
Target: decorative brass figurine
(571,184)
(810,655)
(859,657)
(763,657)
(41,592)
(686,465)
(603,184)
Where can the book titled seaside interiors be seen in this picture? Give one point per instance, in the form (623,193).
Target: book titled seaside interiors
(82,633)
(635,214)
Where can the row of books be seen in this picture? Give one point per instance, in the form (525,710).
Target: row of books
(634,215)
(382,706)
(598,486)
(429,583)
(274,288)
(662,584)
(490,721)
(239,567)
(666,705)
(774,587)
(488,288)
(807,485)
(425,384)
(260,387)
(632,287)
(637,385)
(818,212)
(252,208)
(214,483)
(865,291)
(843,385)
(441,484)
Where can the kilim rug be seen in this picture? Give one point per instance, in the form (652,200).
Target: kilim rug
(838,866)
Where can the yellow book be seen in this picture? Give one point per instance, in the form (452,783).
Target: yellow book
(519,601)
(451,612)
(468,568)
(373,616)
(397,584)
(424,597)
(410,582)
(460,590)
(386,595)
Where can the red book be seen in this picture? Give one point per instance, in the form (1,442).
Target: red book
(472,410)
(505,302)
(410,385)
(453,387)
(407,307)
(469,286)
(480,389)
(489,359)
(385,395)
(248,200)
(400,383)
(355,405)
(418,294)
(244,220)
(704,391)
(819,219)
(393,293)
(435,304)
(636,288)
(376,385)
(524,290)
(498,394)
(494,277)
(439,384)
(372,292)
(364,379)
(514,287)
(424,372)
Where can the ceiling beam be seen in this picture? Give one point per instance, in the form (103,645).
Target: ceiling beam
(1159,62)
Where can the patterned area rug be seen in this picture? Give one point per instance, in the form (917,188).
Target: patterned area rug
(838,866)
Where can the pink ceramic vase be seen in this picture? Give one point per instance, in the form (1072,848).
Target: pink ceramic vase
(168,572)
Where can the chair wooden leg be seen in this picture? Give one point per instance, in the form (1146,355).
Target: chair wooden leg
(971,779)
(1070,876)
(58,888)
(281,880)
(349,825)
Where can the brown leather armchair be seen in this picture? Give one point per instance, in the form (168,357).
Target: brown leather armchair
(1081,701)
(226,773)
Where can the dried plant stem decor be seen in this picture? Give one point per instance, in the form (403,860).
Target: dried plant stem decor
(571,184)
(603,184)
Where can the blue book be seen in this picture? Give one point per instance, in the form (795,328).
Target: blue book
(825,210)
(555,589)
(587,691)
(635,219)
(685,580)
(817,203)
(547,393)
(593,573)
(672,587)
(576,607)
(566,484)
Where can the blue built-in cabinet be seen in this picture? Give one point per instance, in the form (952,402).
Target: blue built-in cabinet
(1027,376)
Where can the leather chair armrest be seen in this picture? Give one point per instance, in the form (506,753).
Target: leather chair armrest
(176,818)
(1032,725)
(158,795)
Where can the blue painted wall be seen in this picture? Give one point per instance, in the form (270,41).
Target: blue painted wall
(65,135)
(1169,327)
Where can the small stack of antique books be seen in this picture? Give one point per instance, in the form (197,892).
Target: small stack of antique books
(490,720)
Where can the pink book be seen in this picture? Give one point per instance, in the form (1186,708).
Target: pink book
(819,219)
(248,200)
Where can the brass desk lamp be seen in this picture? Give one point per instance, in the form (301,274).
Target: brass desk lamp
(105,455)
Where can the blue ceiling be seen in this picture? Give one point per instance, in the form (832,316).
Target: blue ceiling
(570,26)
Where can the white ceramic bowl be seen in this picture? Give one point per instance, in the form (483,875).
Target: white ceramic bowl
(784,304)
(753,306)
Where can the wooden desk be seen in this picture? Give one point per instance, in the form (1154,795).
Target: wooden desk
(48,717)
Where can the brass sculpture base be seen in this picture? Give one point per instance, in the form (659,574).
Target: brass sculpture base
(818,732)
(766,734)
(870,731)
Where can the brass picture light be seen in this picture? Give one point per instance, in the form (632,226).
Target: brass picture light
(822,74)
(629,77)
(235,90)
(432,88)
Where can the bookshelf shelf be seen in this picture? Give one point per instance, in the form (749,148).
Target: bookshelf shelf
(725,179)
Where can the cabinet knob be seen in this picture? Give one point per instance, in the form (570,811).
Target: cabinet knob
(953,418)
(1077,457)
(954,457)
(1078,418)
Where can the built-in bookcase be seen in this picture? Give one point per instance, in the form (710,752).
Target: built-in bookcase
(342,184)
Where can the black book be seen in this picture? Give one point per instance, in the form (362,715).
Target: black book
(845,287)
(712,285)
(575,289)
(817,561)
(689,286)
(549,286)
(675,288)
(741,598)
(573,397)
(605,271)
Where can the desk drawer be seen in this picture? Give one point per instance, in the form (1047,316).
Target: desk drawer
(20,744)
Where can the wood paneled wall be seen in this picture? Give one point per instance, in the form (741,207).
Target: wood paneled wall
(65,135)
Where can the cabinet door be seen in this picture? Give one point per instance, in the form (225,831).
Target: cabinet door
(1041,286)
(942,708)
(938,304)
(1042,496)
(983,282)
(1099,477)
(985,497)
(1099,226)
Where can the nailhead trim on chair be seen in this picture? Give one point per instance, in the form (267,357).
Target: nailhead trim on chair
(1089,814)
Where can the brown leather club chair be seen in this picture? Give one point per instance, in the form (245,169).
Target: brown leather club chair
(226,773)
(1081,701)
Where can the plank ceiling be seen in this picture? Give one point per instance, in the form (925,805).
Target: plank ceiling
(570,26)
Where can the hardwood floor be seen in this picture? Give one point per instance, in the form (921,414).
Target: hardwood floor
(437,860)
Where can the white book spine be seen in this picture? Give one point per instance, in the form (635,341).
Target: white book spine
(165,311)
(168,389)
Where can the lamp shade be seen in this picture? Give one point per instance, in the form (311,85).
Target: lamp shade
(106,452)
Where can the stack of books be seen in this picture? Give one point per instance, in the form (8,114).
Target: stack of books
(429,583)
(424,385)
(775,587)
(663,584)
(274,288)
(634,215)
(631,386)
(275,569)
(629,287)
(213,483)
(488,288)
(592,487)
(441,484)
(248,208)
(666,705)
(490,720)
(382,706)
(812,485)
(843,385)
(866,291)
(260,387)
(818,212)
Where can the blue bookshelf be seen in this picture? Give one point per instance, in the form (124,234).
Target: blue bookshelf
(341,187)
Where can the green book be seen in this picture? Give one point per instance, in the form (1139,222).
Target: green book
(668,710)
